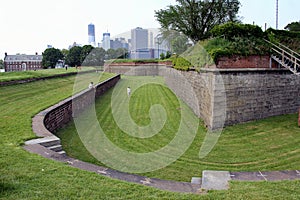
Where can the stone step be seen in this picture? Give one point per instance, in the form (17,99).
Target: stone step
(63,153)
(56,148)
(46,142)
(50,143)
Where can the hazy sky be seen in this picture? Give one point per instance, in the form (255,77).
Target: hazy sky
(28,26)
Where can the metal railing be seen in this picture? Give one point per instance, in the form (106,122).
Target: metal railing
(286,57)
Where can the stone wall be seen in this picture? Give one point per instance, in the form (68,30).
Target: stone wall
(252,95)
(231,96)
(195,89)
(135,70)
(60,114)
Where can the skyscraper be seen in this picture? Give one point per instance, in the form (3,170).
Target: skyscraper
(106,41)
(91,33)
(139,43)
(139,38)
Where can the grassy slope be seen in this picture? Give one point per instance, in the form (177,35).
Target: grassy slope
(9,76)
(28,176)
(269,144)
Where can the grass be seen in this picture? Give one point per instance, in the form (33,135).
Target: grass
(28,176)
(269,144)
(10,76)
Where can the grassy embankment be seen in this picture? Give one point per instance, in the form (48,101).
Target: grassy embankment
(28,176)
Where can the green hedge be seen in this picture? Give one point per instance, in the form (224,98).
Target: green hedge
(287,38)
(231,30)
(181,63)
(219,47)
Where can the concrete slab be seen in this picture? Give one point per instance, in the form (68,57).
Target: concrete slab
(42,140)
(215,180)
(196,180)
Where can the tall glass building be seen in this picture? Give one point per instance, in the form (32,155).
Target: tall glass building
(106,41)
(139,43)
(91,32)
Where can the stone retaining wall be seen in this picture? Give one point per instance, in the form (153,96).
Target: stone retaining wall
(60,114)
(229,96)
(260,94)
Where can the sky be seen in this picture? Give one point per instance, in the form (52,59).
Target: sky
(28,26)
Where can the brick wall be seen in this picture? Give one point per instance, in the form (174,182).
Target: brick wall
(244,62)
(60,114)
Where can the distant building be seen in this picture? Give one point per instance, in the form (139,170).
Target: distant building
(22,62)
(91,33)
(106,41)
(119,43)
(74,45)
(139,44)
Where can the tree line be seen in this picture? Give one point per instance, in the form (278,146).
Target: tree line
(81,56)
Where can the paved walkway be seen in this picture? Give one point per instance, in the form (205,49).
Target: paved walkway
(211,180)
(173,186)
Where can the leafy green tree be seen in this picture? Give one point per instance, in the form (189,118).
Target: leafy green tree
(294,26)
(50,57)
(174,40)
(1,64)
(86,49)
(162,56)
(65,52)
(95,58)
(195,18)
(111,54)
(73,58)
(121,53)
(168,54)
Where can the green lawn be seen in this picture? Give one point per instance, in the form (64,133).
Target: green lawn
(269,144)
(9,76)
(28,176)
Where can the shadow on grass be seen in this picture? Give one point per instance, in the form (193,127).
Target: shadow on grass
(6,188)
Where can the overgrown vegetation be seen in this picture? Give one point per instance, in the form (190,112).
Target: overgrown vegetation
(227,40)
(290,39)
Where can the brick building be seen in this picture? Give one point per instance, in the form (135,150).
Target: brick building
(22,62)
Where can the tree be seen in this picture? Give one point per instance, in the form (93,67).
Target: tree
(86,49)
(65,52)
(95,58)
(168,54)
(1,64)
(195,18)
(294,26)
(174,40)
(73,57)
(50,57)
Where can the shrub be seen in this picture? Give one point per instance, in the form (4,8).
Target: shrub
(182,64)
(231,30)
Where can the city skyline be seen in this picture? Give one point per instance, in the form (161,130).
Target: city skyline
(61,23)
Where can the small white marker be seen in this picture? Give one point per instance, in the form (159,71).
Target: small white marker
(69,162)
(264,176)
(147,181)
(102,171)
